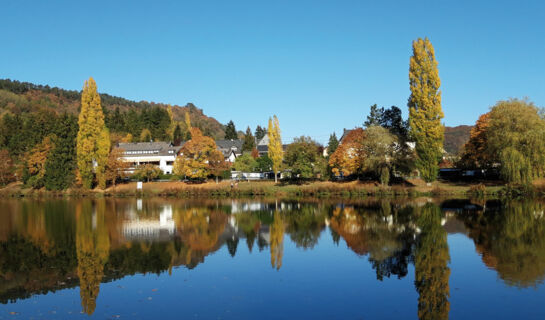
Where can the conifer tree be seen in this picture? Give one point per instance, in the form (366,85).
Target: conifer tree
(92,135)
(231,131)
(249,141)
(61,164)
(260,132)
(425,112)
(276,154)
(333,144)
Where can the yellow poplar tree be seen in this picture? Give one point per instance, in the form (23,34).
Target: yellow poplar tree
(187,126)
(93,141)
(425,112)
(276,154)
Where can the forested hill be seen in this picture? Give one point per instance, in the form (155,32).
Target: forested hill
(19,98)
(455,138)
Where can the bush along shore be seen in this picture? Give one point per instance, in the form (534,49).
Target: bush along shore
(228,189)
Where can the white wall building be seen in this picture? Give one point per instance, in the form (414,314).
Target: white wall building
(161,154)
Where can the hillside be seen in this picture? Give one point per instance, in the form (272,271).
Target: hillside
(23,97)
(456,137)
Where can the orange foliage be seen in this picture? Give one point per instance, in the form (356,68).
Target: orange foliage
(475,154)
(349,156)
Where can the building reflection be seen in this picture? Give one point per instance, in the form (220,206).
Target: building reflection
(49,245)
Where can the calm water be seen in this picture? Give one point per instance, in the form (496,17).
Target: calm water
(157,258)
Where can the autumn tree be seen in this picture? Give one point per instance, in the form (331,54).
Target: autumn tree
(116,167)
(276,152)
(349,157)
(431,260)
(36,163)
(6,168)
(187,122)
(277,240)
(425,112)
(93,141)
(230,131)
(475,153)
(199,157)
(147,172)
(145,135)
(249,141)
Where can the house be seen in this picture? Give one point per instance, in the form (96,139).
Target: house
(231,149)
(263,146)
(161,154)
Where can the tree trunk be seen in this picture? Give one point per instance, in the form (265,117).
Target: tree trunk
(275,177)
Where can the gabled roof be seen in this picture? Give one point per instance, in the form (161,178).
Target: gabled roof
(228,146)
(140,149)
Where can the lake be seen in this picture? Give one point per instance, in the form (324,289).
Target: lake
(272,259)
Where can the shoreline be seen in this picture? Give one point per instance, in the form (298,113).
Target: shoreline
(253,189)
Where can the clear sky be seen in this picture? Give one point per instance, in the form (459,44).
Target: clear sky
(318,65)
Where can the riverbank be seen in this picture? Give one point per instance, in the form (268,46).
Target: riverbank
(225,189)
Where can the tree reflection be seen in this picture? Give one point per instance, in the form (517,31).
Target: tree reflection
(277,240)
(93,246)
(512,241)
(431,270)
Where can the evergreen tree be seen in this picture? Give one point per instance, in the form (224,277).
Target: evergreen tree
(375,116)
(333,144)
(177,136)
(276,153)
(91,135)
(61,164)
(260,133)
(425,111)
(231,131)
(249,141)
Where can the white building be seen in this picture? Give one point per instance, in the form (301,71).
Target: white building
(161,154)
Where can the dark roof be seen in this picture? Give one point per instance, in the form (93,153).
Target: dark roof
(226,146)
(158,148)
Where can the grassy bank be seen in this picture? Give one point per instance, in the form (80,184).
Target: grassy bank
(270,189)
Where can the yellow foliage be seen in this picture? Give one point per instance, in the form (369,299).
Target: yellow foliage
(275,153)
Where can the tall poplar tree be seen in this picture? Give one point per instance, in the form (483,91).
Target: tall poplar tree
(425,112)
(276,154)
(93,140)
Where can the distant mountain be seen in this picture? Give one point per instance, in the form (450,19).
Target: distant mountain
(23,97)
(455,138)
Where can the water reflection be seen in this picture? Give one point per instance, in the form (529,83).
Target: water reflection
(50,245)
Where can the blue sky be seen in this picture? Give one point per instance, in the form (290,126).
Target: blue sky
(318,65)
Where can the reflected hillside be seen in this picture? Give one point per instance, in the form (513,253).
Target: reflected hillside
(50,245)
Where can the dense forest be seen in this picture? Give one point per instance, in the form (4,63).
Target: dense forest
(31,105)
(455,138)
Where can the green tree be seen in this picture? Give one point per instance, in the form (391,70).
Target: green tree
(276,153)
(260,133)
(231,131)
(425,112)
(249,141)
(333,144)
(60,166)
(245,163)
(6,168)
(303,157)
(264,163)
(379,148)
(91,135)
(375,116)
(177,135)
